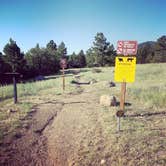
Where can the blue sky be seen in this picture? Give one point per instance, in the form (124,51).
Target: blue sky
(76,22)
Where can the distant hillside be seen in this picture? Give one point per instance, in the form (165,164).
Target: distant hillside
(148,43)
(145,51)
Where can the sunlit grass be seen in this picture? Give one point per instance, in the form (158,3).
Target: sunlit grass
(150,85)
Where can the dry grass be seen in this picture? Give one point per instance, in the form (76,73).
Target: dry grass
(143,130)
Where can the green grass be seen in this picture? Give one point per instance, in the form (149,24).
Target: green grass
(150,85)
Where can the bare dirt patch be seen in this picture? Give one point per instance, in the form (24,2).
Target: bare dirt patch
(28,146)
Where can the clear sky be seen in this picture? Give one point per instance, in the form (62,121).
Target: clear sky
(76,22)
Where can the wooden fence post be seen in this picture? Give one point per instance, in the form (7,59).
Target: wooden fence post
(122,96)
(15,89)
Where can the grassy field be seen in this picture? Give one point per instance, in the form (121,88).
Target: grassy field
(142,139)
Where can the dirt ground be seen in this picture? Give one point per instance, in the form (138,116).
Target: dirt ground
(60,132)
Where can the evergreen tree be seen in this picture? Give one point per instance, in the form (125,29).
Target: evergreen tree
(145,52)
(52,54)
(72,60)
(81,59)
(62,50)
(51,46)
(160,50)
(100,48)
(102,53)
(42,61)
(13,56)
(90,58)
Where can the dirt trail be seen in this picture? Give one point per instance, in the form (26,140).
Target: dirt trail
(28,146)
(61,132)
(75,136)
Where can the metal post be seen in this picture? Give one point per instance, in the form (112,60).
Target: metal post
(118,124)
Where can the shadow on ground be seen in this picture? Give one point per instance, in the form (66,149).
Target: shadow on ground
(126,104)
(147,114)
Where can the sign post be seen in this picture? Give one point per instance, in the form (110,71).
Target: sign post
(125,65)
(63,77)
(122,97)
(63,64)
(15,89)
(14,85)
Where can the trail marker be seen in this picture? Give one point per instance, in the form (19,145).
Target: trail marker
(14,75)
(125,66)
(63,64)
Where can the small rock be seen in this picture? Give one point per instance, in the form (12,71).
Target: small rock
(32,111)
(96,70)
(17,135)
(75,72)
(10,111)
(39,78)
(110,84)
(93,81)
(102,162)
(107,100)
(77,77)
(26,126)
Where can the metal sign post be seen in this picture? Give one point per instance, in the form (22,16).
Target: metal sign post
(120,113)
(118,124)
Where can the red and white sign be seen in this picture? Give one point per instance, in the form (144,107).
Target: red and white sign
(127,47)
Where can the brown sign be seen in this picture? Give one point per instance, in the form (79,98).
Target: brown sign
(127,47)
(63,63)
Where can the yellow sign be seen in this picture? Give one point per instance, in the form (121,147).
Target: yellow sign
(125,69)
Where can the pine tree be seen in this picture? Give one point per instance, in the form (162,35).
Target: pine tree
(13,56)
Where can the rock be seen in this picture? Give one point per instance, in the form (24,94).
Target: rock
(110,84)
(96,70)
(102,162)
(17,135)
(10,111)
(77,77)
(39,78)
(75,72)
(93,81)
(26,126)
(107,100)
(32,111)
